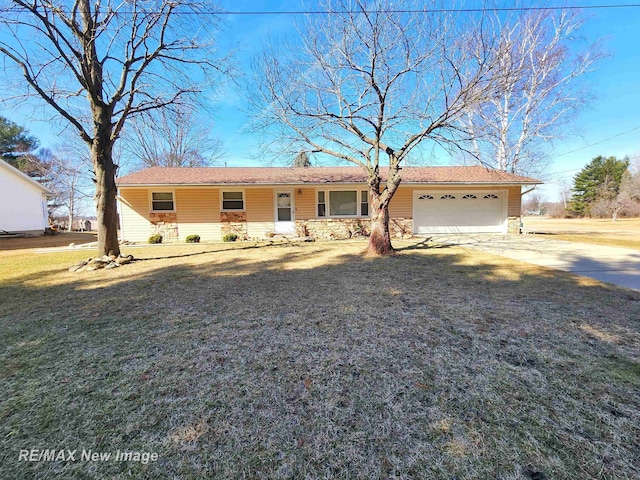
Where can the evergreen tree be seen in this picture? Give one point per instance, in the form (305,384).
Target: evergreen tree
(301,160)
(599,180)
(16,145)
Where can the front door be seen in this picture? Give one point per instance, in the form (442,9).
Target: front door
(284,213)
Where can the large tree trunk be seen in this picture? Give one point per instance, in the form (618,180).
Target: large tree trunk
(106,191)
(380,238)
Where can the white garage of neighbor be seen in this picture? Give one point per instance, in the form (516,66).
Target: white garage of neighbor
(460,211)
(23,202)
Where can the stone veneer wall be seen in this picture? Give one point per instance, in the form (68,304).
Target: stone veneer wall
(166,224)
(513,225)
(349,227)
(234,222)
(401,227)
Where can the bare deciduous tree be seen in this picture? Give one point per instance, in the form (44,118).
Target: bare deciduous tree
(67,177)
(539,92)
(172,138)
(532,204)
(97,64)
(370,82)
(626,201)
(71,175)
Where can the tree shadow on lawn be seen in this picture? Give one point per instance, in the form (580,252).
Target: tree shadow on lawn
(322,365)
(216,250)
(425,243)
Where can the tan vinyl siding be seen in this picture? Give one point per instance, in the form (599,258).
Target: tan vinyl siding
(305,203)
(198,212)
(260,211)
(134,206)
(515,202)
(259,204)
(401,203)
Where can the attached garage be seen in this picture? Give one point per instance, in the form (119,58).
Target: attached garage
(459,211)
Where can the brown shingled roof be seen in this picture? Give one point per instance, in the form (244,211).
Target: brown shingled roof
(314,175)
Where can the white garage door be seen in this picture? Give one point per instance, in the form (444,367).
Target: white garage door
(459,212)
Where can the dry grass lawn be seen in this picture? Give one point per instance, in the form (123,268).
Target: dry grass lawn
(312,362)
(625,232)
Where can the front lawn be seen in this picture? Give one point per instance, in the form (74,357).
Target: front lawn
(311,361)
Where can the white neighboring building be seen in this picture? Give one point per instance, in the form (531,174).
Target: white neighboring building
(23,202)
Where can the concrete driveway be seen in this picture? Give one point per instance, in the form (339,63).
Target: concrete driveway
(619,266)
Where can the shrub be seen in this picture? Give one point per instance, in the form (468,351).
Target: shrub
(157,238)
(193,239)
(556,210)
(230,237)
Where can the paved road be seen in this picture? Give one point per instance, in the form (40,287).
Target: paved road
(620,266)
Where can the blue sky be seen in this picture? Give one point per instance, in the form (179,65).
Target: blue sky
(610,125)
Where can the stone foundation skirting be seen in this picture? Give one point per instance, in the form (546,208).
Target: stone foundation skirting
(327,228)
(166,224)
(341,228)
(401,227)
(514,225)
(234,222)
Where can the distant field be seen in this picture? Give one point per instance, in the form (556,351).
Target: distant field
(622,233)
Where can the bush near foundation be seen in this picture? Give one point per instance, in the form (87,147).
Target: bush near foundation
(157,238)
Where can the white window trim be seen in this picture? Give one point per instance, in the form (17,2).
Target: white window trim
(164,190)
(244,200)
(292,206)
(327,201)
(366,190)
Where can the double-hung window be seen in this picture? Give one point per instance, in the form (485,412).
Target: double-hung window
(364,203)
(322,204)
(162,202)
(232,201)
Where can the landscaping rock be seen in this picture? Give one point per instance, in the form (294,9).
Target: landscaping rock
(78,266)
(99,263)
(106,261)
(123,260)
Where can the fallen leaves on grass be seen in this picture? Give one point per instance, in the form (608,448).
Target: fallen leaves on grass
(190,433)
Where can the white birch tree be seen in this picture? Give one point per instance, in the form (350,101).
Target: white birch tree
(541,68)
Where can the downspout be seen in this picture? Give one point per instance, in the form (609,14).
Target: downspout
(119,214)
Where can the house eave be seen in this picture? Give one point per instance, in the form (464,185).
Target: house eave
(315,184)
(26,178)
